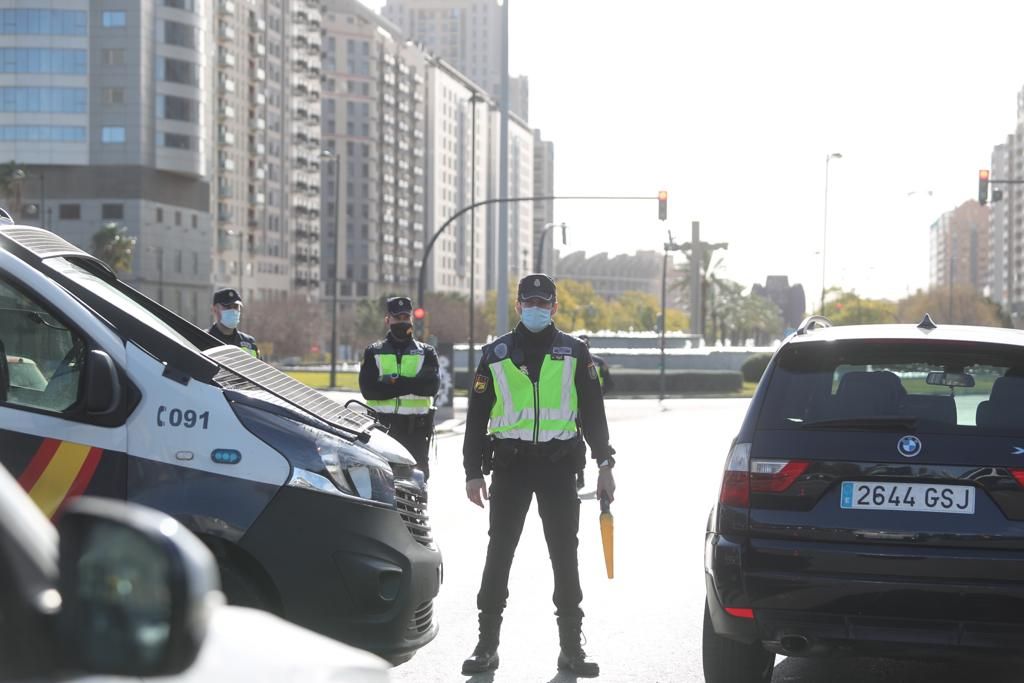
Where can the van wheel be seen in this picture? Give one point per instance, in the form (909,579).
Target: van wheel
(241,590)
(729,661)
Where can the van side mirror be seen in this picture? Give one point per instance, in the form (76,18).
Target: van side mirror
(102,385)
(137,590)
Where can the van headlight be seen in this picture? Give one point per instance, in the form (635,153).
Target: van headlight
(320,460)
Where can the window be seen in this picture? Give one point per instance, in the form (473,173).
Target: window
(187,5)
(180,34)
(43,100)
(113,212)
(174,141)
(38,60)
(44,361)
(113,96)
(42,133)
(112,134)
(159,215)
(113,56)
(177,71)
(70,212)
(114,19)
(43,22)
(177,108)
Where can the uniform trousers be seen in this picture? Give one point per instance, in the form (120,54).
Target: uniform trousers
(514,482)
(413,432)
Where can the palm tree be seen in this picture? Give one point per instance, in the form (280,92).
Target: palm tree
(114,247)
(710,274)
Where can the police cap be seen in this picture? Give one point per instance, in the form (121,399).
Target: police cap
(399,304)
(226,296)
(537,286)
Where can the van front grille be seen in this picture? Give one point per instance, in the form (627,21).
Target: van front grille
(411,502)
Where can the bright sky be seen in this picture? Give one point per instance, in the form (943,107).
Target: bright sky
(733,106)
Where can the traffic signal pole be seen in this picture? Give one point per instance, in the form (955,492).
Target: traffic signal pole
(422,283)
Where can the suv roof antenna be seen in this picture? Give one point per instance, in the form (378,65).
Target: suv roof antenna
(927,323)
(813,322)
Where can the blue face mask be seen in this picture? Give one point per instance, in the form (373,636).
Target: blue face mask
(230,317)
(536,319)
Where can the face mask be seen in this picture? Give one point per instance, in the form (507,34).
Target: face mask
(536,319)
(230,318)
(401,330)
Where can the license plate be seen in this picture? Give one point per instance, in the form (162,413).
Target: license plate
(876,495)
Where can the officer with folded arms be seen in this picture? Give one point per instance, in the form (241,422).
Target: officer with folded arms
(529,389)
(399,379)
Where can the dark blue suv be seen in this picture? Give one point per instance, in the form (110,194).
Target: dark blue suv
(872,502)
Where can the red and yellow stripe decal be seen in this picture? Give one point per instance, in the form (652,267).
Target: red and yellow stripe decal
(59,471)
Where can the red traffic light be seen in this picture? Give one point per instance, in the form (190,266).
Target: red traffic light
(419,313)
(983,174)
(662,205)
(983,186)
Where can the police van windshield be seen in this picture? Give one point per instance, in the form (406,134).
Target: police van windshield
(935,385)
(111,294)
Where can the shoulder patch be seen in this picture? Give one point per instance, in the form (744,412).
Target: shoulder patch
(501,349)
(591,371)
(480,383)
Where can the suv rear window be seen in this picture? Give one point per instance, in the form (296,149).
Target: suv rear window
(939,385)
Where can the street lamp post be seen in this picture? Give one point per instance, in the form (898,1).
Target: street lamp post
(476,97)
(824,229)
(332,157)
(19,175)
(543,239)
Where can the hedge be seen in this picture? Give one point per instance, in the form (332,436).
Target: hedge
(754,367)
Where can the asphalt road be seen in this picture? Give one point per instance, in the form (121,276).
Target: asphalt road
(645,624)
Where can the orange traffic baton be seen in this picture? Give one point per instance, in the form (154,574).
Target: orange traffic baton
(608,535)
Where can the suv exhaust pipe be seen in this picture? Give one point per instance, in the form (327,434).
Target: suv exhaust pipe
(794,644)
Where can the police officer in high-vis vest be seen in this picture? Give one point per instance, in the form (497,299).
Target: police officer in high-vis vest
(529,389)
(227,314)
(399,379)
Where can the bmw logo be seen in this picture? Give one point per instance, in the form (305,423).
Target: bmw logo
(909,446)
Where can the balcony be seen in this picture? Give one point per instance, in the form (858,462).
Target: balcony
(227,7)
(226,138)
(227,86)
(257,24)
(226,58)
(227,164)
(257,99)
(226,33)
(226,111)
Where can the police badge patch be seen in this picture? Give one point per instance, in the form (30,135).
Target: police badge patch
(501,350)
(480,383)
(592,371)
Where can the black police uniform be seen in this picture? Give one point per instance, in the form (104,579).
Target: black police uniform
(522,469)
(236,338)
(412,431)
(605,379)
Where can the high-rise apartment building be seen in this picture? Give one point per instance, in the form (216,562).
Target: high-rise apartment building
(101,109)
(544,212)
(374,127)
(191,124)
(266,203)
(459,118)
(959,248)
(466,34)
(520,214)
(999,212)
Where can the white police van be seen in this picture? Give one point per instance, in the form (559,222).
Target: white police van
(312,511)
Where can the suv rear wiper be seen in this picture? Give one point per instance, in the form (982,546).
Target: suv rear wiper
(883,422)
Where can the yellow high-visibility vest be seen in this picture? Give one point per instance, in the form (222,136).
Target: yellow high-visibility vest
(541,412)
(388,364)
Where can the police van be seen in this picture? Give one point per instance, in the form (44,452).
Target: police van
(311,509)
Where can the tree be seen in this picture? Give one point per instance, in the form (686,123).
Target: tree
(112,245)
(290,328)
(962,306)
(847,308)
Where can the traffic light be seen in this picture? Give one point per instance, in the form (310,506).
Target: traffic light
(662,205)
(419,322)
(983,186)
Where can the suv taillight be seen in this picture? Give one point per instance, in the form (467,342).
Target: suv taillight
(736,480)
(760,476)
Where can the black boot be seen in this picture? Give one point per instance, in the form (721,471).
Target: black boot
(485,656)
(572,656)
